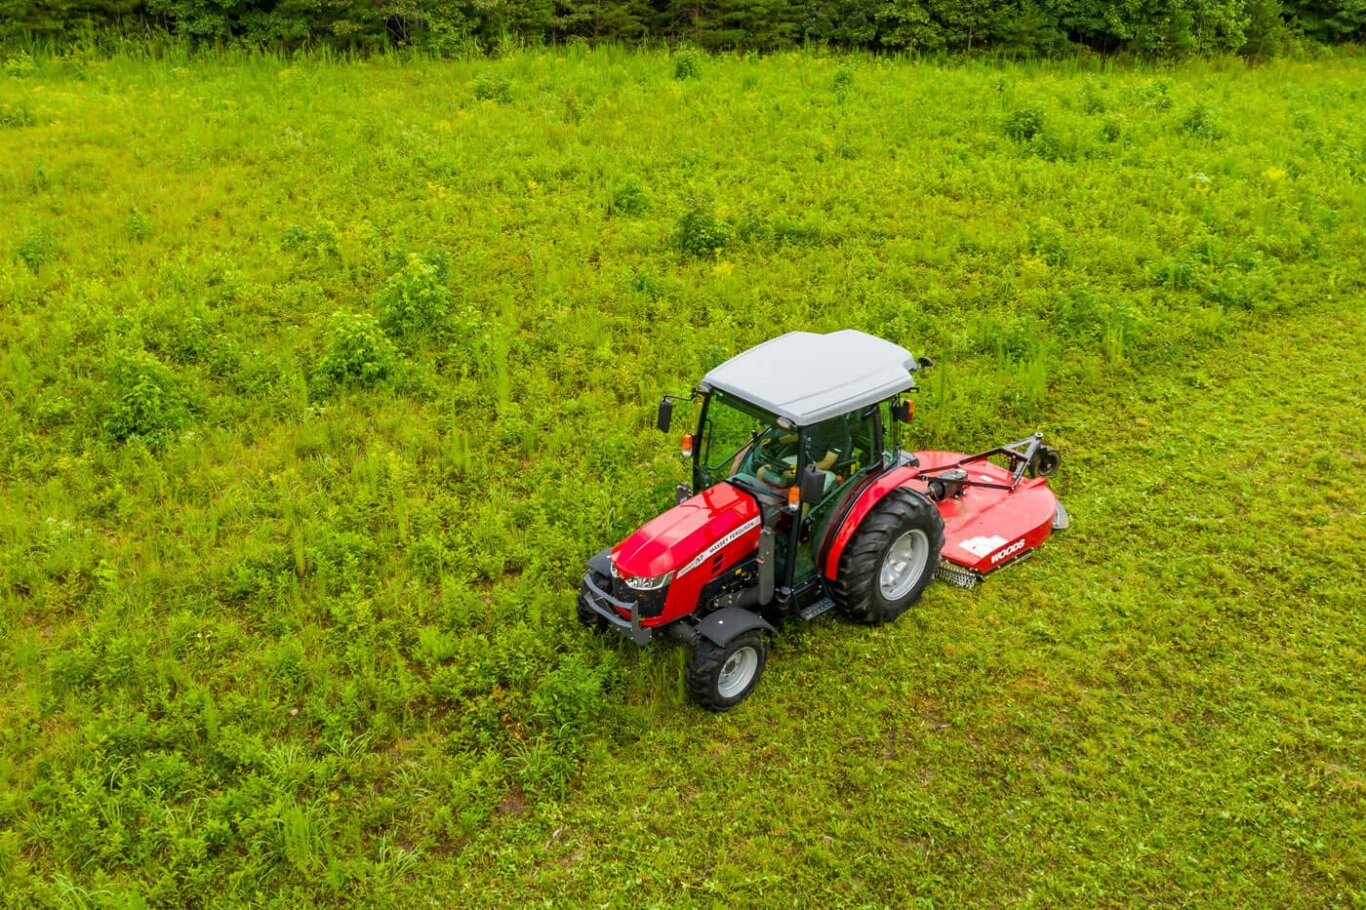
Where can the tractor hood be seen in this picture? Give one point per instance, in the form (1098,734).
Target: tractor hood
(683,538)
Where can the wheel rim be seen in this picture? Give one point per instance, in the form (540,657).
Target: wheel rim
(904,564)
(737,672)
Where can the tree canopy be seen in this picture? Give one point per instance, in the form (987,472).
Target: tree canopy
(1150,28)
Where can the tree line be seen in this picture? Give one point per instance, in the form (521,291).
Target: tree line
(1148,28)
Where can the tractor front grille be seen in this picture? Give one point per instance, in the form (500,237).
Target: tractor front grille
(648,603)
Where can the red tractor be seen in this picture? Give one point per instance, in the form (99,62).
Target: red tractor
(806,502)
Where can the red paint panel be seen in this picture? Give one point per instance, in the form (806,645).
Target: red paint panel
(720,525)
(983,529)
(987,528)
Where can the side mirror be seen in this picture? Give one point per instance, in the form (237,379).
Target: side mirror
(813,486)
(902,412)
(923,362)
(666,415)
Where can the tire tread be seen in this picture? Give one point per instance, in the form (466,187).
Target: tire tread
(855,586)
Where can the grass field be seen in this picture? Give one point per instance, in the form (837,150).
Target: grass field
(322,378)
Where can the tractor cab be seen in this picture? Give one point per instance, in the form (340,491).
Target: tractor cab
(803,424)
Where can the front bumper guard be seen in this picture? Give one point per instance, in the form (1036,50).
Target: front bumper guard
(594,597)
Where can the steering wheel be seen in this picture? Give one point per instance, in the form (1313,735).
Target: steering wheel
(767,462)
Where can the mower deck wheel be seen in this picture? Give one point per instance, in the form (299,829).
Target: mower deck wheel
(719,677)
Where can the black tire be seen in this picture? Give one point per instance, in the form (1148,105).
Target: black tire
(858,590)
(587,615)
(707,669)
(1045,463)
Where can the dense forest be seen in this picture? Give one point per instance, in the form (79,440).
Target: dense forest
(1146,28)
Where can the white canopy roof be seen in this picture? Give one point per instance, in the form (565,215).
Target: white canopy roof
(808,378)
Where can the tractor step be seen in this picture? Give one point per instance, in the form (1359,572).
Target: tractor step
(811,611)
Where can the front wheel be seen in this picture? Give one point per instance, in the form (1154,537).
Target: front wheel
(720,677)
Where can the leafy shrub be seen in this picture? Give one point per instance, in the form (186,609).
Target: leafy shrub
(317,242)
(1092,102)
(650,284)
(1047,240)
(1112,129)
(16,115)
(358,350)
(700,232)
(36,248)
(687,64)
(753,227)
(1152,95)
(1023,124)
(843,81)
(139,228)
(51,409)
(414,301)
(631,198)
(145,400)
(491,86)
(20,65)
(1200,122)
(1049,147)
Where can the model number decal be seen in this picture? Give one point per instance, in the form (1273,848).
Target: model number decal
(1013,548)
(729,538)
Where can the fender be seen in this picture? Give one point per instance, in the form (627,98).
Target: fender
(865,504)
(723,626)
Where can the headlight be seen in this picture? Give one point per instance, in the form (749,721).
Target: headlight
(649,584)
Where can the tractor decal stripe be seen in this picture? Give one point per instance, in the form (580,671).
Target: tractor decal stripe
(720,544)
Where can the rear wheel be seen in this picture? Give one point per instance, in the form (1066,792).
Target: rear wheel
(719,677)
(891,558)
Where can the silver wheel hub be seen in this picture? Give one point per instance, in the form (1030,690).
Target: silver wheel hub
(904,564)
(737,672)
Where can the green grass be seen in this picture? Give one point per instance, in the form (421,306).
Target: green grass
(322,379)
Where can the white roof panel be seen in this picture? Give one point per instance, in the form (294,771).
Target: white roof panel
(808,378)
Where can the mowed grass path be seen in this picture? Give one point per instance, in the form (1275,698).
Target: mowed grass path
(1165,705)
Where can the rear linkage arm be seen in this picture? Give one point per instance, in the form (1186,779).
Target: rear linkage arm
(1022,454)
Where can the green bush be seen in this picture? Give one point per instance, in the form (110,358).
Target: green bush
(16,115)
(700,232)
(20,64)
(317,242)
(843,82)
(1200,122)
(491,86)
(1024,124)
(36,248)
(138,227)
(358,351)
(145,400)
(414,301)
(687,64)
(1112,128)
(630,198)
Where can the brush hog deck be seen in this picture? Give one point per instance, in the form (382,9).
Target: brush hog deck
(987,527)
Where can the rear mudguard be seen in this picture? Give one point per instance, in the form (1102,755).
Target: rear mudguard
(991,524)
(725,625)
(865,504)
